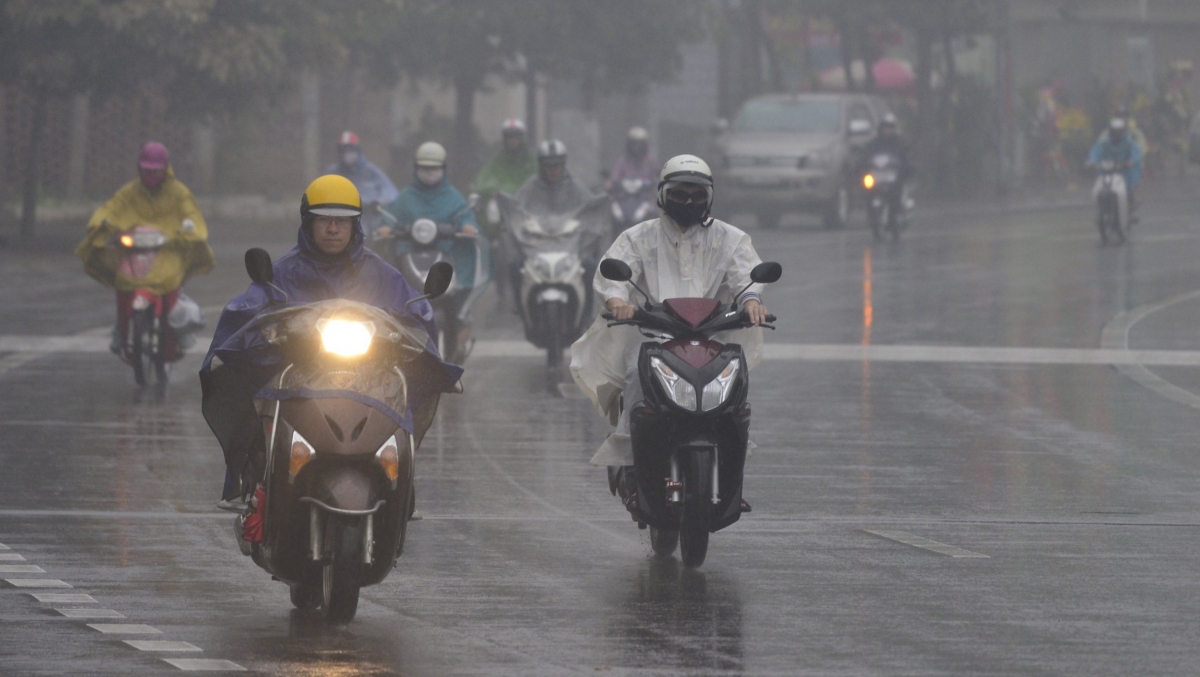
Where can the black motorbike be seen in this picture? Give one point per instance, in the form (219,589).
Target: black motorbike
(886,203)
(335,482)
(1111,195)
(691,430)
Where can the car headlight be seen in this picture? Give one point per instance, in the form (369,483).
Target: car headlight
(680,391)
(388,458)
(346,338)
(616,212)
(717,390)
(424,231)
(301,453)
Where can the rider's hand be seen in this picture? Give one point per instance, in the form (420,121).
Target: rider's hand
(756,311)
(382,232)
(620,309)
(470,231)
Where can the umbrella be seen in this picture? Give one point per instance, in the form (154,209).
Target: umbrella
(890,74)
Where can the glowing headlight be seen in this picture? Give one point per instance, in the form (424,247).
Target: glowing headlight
(301,453)
(869,181)
(680,391)
(424,231)
(388,458)
(346,338)
(717,390)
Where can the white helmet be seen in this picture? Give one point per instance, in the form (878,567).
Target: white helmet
(552,151)
(684,169)
(512,126)
(638,134)
(431,154)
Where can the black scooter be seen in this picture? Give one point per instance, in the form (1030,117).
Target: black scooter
(335,482)
(691,430)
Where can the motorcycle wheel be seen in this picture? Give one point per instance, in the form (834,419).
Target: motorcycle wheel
(893,222)
(664,541)
(873,220)
(158,355)
(837,212)
(305,596)
(697,509)
(554,349)
(137,351)
(339,578)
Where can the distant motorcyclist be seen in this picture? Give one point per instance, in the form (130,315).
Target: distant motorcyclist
(509,169)
(430,196)
(636,162)
(328,262)
(683,253)
(1119,148)
(372,183)
(157,199)
(1132,129)
(888,141)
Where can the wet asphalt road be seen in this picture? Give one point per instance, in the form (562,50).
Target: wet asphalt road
(1063,489)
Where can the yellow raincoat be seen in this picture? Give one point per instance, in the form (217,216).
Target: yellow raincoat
(172,210)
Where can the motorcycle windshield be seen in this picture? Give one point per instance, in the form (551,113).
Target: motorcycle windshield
(396,372)
(537,233)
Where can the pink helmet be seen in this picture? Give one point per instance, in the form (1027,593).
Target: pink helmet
(154,156)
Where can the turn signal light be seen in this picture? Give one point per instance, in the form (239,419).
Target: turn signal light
(127,240)
(388,458)
(302,452)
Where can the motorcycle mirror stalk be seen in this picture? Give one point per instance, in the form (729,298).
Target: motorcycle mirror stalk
(764,273)
(436,283)
(619,271)
(261,271)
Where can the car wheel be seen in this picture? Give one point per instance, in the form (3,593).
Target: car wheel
(838,209)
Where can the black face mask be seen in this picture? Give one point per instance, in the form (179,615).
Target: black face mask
(686,215)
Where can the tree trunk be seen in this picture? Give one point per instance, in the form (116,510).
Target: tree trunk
(33,154)
(531,104)
(949,86)
(845,35)
(924,123)
(867,54)
(462,145)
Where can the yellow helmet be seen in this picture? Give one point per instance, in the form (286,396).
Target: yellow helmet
(331,195)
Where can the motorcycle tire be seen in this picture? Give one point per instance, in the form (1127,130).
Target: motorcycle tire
(697,509)
(139,330)
(893,223)
(554,347)
(340,575)
(837,211)
(161,368)
(664,541)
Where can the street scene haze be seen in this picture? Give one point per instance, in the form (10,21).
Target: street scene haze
(599,337)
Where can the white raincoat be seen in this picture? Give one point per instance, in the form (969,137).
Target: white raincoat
(667,262)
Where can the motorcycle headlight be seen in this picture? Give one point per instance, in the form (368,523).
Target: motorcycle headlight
(424,231)
(717,390)
(616,212)
(869,181)
(346,338)
(680,391)
(301,453)
(388,458)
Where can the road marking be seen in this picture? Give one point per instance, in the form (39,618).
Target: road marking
(924,543)
(62,598)
(125,629)
(4,547)
(21,569)
(160,645)
(90,613)
(11,557)
(1115,335)
(114,514)
(37,583)
(204,664)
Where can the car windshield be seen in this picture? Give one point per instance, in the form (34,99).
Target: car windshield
(813,117)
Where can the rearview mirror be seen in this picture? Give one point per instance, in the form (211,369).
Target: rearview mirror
(615,270)
(258,266)
(438,279)
(472,201)
(766,273)
(860,127)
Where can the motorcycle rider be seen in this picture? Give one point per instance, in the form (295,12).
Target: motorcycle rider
(329,261)
(685,252)
(888,141)
(372,183)
(1118,147)
(156,198)
(432,197)
(636,163)
(509,169)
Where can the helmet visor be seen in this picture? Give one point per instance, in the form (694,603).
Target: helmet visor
(334,210)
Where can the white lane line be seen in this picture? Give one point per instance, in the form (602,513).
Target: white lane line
(204,665)
(160,645)
(21,569)
(125,628)
(4,547)
(90,613)
(11,557)
(924,543)
(114,514)
(37,583)
(784,352)
(1115,335)
(63,598)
